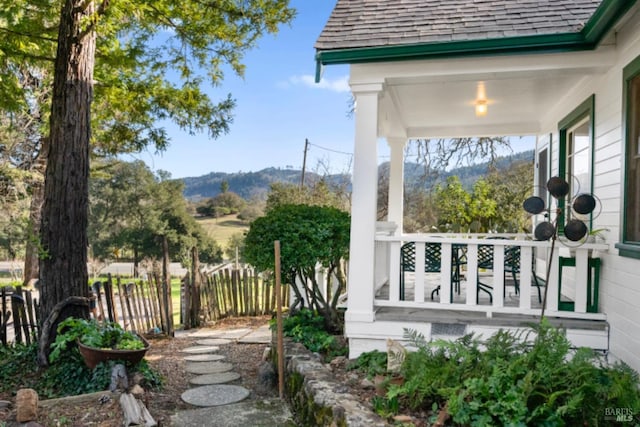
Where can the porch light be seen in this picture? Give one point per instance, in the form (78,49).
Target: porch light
(482,107)
(481,103)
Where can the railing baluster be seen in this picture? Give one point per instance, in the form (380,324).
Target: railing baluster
(526,266)
(498,276)
(582,273)
(445,274)
(419,274)
(472,275)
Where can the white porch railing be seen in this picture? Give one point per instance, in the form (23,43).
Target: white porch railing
(388,272)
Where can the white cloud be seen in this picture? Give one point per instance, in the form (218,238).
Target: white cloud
(340,84)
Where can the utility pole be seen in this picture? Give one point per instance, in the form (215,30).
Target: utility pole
(304,161)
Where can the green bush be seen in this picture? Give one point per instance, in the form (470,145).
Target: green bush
(308,328)
(371,363)
(68,376)
(528,378)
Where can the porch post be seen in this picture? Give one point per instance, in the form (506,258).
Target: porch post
(363,205)
(396,182)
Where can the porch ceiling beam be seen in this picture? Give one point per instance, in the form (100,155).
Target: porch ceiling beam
(391,123)
(480,68)
(498,129)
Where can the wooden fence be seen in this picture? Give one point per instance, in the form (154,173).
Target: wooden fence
(231,292)
(136,305)
(18,311)
(141,306)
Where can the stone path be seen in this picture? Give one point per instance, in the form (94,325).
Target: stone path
(221,404)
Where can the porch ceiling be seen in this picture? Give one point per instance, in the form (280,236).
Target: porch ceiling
(435,98)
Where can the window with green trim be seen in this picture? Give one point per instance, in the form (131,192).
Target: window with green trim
(631,116)
(576,152)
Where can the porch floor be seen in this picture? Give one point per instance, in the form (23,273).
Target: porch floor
(463,317)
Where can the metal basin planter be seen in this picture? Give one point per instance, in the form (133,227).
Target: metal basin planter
(93,356)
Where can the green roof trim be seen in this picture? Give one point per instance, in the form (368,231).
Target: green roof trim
(603,19)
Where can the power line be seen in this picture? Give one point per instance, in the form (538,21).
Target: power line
(332,150)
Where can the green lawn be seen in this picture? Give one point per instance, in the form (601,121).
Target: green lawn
(221,229)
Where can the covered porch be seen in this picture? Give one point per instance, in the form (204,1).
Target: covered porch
(399,101)
(467,295)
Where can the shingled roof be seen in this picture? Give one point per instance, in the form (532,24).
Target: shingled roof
(357,24)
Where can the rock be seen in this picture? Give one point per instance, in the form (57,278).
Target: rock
(366,383)
(26,405)
(32,424)
(402,419)
(266,378)
(338,362)
(266,355)
(4,404)
(119,379)
(136,390)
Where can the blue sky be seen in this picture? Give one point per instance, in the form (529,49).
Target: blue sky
(278,106)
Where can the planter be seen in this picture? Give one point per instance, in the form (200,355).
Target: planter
(93,356)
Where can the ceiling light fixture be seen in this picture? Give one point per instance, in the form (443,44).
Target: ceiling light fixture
(481,103)
(482,107)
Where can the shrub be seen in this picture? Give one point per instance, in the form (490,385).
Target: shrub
(513,380)
(308,328)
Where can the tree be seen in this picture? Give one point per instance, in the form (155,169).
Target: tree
(136,53)
(309,236)
(452,202)
(319,193)
(132,209)
(510,187)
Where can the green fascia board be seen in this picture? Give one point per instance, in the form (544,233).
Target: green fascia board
(547,42)
(605,16)
(603,19)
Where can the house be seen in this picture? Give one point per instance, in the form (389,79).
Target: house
(565,71)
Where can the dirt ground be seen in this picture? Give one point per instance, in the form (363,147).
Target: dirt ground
(165,357)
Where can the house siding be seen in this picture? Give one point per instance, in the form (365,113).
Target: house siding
(620,276)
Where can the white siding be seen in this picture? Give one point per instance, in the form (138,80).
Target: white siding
(620,276)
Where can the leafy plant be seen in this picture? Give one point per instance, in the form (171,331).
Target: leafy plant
(308,328)
(371,363)
(513,379)
(66,377)
(107,335)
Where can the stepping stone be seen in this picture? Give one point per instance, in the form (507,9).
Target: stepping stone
(204,358)
(208,367)
(201,349)
(262,335)
(219,378)
(214,341)
(249,413)
(215,395)
(221,333)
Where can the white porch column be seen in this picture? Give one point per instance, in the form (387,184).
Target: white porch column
(396,182)
(363,205)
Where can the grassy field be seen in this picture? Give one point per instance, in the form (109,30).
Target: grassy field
(221,229)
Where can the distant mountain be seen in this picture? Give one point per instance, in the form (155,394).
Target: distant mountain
(256,184)
(247,184)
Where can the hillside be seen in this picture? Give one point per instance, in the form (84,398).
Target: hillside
(246,184)
(252,184)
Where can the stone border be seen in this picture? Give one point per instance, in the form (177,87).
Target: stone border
(315,396)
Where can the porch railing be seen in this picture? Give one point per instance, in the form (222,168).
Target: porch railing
(388,271)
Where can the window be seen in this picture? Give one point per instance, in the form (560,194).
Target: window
(631,116)
(576,153)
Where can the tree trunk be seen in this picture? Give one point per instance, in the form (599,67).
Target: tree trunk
(63,266)
(31,261)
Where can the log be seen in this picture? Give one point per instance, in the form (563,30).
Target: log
(135,413)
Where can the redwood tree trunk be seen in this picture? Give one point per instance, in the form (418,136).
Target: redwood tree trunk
(63,266)
(31,261)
